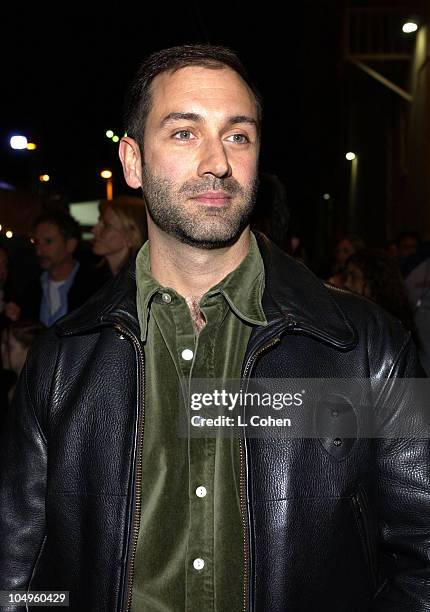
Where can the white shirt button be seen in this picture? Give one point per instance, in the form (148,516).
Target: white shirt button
(187,354)
(198,564)
(166,297)
(201,491)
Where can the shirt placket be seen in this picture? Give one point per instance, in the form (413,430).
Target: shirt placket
(195,356)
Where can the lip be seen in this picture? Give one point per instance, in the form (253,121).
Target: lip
(213,198)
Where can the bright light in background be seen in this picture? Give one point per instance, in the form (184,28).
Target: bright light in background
(44,178)
(109,133)
(18,142)
(107,174)
(0,228)
(9,234)
(350,156)
(326,196)
(115,138)
(409,27)
(31,146)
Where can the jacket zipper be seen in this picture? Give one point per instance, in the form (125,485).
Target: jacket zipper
(138,469)
(243,481)
(242,485)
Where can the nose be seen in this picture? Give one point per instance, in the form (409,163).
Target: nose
(214,160)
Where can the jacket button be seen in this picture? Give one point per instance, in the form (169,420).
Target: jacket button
(337,441)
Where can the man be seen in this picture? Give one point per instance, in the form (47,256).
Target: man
(99,494)
(64,284)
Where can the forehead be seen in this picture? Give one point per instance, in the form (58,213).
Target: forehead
(45,230)
(202,90)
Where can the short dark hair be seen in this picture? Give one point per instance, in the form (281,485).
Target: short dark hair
(138,96)
(67,225)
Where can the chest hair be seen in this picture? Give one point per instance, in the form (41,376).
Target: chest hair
(196,314)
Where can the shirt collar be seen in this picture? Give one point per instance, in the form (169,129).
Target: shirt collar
(44,277)
(243,288)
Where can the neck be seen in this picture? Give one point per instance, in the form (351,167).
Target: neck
(189,270)
(62,270)
(117,260)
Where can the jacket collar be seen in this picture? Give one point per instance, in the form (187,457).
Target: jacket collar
(306,303)
(293,297)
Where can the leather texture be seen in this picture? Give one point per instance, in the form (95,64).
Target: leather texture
(344,528)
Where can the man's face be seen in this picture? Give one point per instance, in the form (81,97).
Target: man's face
(344,250)
(52,249)
(199,173)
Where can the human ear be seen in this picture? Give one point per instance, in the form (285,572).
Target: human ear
(71,245)
(129,154)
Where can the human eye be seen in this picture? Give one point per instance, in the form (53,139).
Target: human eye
(183,135)
(238,139)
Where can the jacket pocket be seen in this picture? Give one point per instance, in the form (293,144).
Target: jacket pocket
(367,530)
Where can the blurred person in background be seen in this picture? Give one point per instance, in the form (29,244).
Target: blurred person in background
(120,231)
(16,339)
(407,243)
(391,249)
(376,275)
(344,249)
(64,284)
(271,214)
(408,246)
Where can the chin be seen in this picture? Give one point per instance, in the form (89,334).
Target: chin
(99,250)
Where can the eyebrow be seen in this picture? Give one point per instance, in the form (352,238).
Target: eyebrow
(234,120)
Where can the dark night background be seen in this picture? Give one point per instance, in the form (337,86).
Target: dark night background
(64,76)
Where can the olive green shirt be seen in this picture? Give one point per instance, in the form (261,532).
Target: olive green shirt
(190,546)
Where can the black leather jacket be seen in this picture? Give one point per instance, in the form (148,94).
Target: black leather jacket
(326,527)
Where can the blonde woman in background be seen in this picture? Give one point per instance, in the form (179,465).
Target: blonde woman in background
(120,231)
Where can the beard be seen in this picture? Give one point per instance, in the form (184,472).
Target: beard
(198,225)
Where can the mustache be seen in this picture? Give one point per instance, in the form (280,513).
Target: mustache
(194,188)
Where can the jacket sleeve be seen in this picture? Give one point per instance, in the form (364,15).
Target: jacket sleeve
(23,477)
(403,487)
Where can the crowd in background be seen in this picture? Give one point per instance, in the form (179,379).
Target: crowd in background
(69,271)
